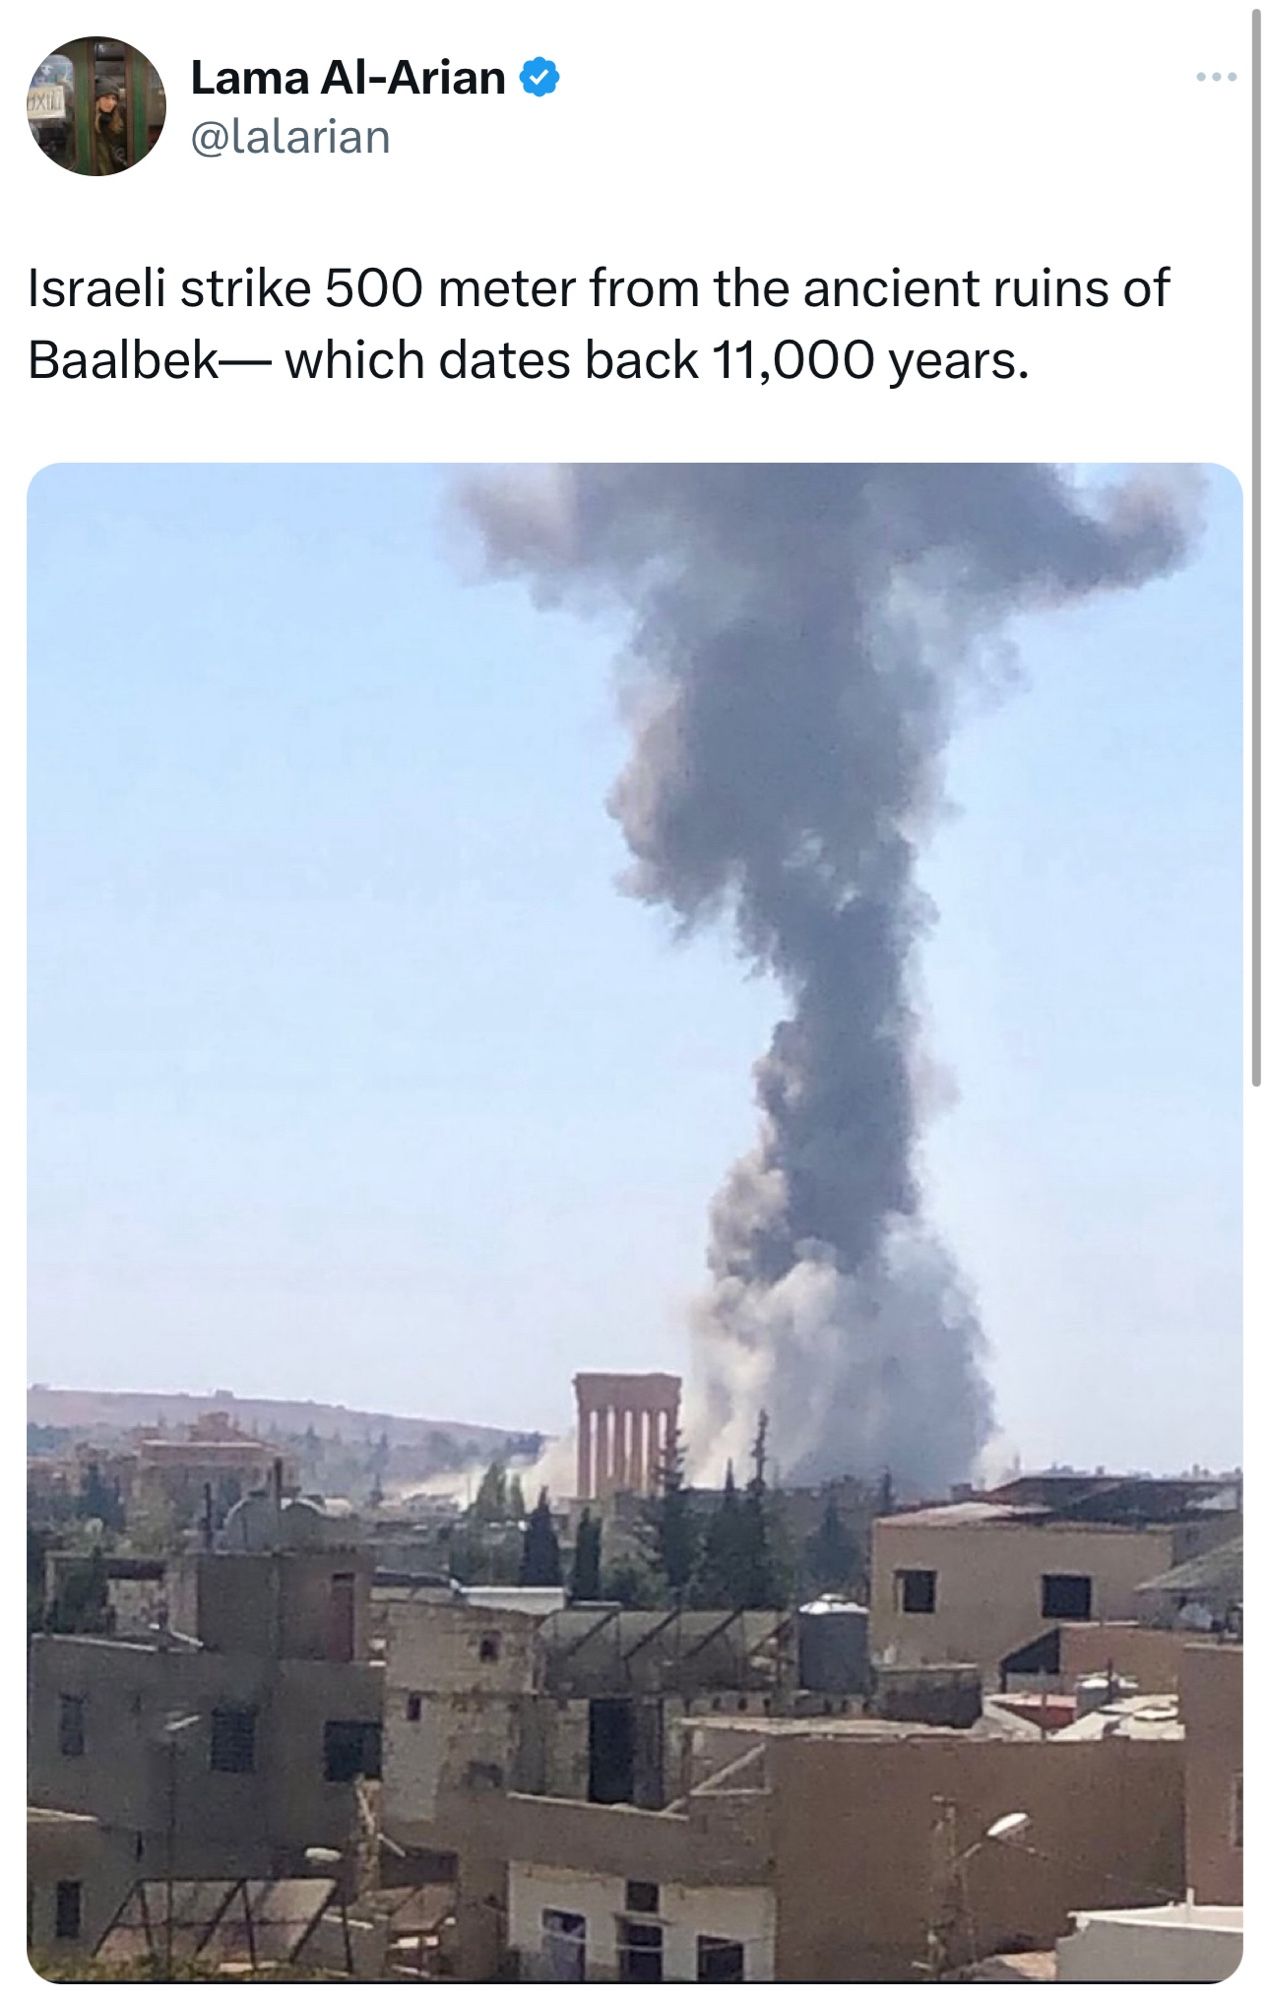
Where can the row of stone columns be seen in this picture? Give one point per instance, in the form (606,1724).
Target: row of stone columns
(620,1451)
(625,1424)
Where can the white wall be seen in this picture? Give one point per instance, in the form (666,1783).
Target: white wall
(746,1916)
(1173,1945)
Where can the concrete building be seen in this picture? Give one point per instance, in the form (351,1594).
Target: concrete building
(992,1579)
(233,1739)
(1211,1702)
(1180,1944)
(485,1697)
(625,1425)
(78,1872)
(813,1852)
(1148,1655)
(176,1471)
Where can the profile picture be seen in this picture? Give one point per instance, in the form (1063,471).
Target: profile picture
(95,106)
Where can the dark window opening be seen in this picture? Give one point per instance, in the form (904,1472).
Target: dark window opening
(341,1634)
(70,1909)
(490,1646)
(563,1947)
(482,1777)
(414,1707)
(351,1750)
(644,1897)
(1067,1597)
(915,1590)
(233,1746)
(611,1752)
(639,1958)
(719,1961)
(70,1725)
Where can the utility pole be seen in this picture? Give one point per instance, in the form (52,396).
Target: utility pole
(174,1729)
(942,1911)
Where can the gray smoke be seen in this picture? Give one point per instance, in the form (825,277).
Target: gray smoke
(800,637)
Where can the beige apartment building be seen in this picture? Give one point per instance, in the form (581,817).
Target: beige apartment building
(844,1850)
(992,1577)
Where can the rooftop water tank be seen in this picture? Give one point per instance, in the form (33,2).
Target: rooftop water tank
(833,1647)
(1096,1690)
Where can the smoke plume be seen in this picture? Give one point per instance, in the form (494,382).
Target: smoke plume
(799,639)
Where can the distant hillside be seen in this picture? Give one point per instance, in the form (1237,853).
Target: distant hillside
(110,1411)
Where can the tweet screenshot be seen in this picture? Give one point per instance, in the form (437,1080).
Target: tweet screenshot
(633,820)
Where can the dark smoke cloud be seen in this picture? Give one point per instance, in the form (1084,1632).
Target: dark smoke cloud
(800,635)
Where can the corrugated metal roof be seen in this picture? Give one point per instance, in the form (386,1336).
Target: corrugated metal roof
(1219,1569)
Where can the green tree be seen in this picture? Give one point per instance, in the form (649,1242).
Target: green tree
(762,1586)
(38,1543)
(153,1530)
(719,1581)
(632,1584)
(83,1599)
(584,1584)
(515,1498)
(490,1503)
(98,1501)
(669,1529)
(540,1552)
(886,1494)
(832,1552)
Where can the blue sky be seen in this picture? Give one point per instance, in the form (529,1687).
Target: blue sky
(354,1076)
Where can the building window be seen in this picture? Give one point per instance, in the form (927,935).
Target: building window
(1067,1597)
(70,1725)
(351,1750)
(233,1744)
(639,1957)
(70,1909)
(414,1707)
(490,1647)
(645,1897)
(719,1961)
(1237,1810)
(915,1590)
(563,1947)
(341,1638)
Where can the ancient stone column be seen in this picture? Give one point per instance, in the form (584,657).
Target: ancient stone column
(586,1487)
(621,1412)
(654,1449)
(603,1484)
(638,1418)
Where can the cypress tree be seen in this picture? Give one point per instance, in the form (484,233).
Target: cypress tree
(833,1553)
(490,1503)
(540,1552)
(585,1581)
(669,1527)
(758,1585)
(720,1580)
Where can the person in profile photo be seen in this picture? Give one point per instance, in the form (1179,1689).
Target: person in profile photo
(96,107)
(110,149)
